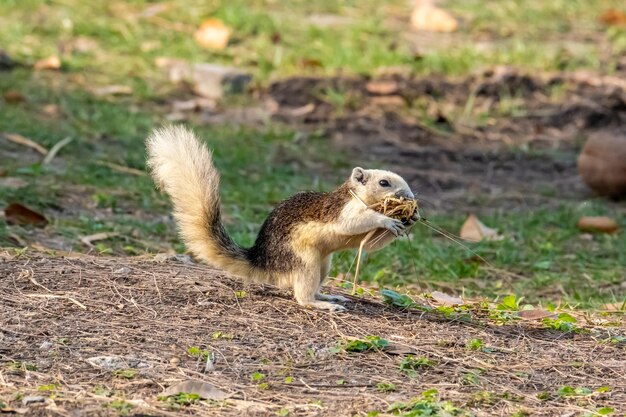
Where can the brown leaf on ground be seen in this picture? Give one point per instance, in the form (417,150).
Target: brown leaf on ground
(212,34)
(51,110)
(474,231)
(88,240)
(600,224)
(382,87)
(613,17)
(51,63)
(534,314)
(13,96)
(429,18)
(203,389)
(17,214)
(445,299)
(615,306)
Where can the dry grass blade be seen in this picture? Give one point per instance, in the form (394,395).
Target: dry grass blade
(359,255)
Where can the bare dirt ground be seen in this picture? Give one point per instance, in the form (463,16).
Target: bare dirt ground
(57,312)
(508,136)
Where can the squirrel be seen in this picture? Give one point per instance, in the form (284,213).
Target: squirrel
(295,244)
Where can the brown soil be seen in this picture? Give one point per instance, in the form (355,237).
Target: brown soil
(502,135)
(56,312)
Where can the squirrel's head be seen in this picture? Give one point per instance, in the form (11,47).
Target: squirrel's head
(374,185)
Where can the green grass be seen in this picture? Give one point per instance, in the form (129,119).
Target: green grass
(542,258)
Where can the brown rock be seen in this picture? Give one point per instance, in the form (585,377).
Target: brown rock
(602,163)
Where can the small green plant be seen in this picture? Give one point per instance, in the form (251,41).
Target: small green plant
(48,388)
(122,407)
(411,364)
(196,352)
(102,391)
(21,366)
(386,387)
(370,343)
(283,412)
(398,300)
(428,404)
(220,335)
(257,376)
(568,391)
(240,294)
(510,303)
(125,373)
(475,344)
(563,322)
(288,379)
(182,399)
(478,344)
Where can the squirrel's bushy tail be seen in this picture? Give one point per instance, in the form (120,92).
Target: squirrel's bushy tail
(183,168)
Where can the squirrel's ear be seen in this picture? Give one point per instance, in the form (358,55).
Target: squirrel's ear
(359,175)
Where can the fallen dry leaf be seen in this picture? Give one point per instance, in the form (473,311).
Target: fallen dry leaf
(51,110)
(534,314)
(613,17)
(474,231)
(51,63)
(88,240)
(17,214)
(213,34)
(302,110)
(110,90)
(388,101)
(615,306)
(427,17)
(382,88)
(203,389)
(600,224)
(445,299)
(21,140)
(13,96)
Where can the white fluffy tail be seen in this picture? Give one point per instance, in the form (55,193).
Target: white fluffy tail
(183,168)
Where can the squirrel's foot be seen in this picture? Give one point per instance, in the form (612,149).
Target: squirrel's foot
(326,297)
(325,305)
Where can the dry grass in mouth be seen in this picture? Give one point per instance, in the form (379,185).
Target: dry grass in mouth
(396,208)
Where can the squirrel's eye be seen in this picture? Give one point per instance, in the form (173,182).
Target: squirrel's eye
(384,183)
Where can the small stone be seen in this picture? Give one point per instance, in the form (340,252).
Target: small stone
(174,361)
(33,399)
(122,271)
(46,345)
(208,80)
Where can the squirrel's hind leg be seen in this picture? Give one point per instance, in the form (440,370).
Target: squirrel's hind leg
(305,286)
(325,270)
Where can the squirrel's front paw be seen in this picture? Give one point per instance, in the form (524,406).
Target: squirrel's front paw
(395,226)
(414,219)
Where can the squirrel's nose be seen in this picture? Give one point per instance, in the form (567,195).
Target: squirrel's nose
(405,194)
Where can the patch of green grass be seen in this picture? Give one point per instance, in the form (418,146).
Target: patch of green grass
(369,343)
(428,404)
(543,250)
(120,406)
